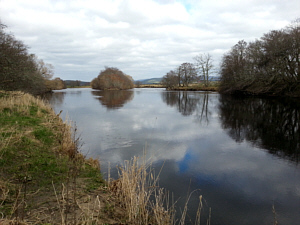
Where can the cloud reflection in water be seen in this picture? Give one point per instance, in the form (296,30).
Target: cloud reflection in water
(191,136)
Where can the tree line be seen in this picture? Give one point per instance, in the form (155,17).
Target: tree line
(269,65)
(22,71)
(188,73)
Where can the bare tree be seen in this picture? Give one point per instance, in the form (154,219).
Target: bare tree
(137,83)
(204,64)
(170,80)
(188,73)
(179,75)
(45,69)
(183,75)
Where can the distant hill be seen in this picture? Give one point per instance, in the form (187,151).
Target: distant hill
(150,81)
(76,83)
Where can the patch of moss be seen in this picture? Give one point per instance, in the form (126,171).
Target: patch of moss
(95,177)
(33,110)
(44,134)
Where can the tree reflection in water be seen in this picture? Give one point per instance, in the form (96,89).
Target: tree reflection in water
(271,124)
(188,103)
(55,99)
(114,99)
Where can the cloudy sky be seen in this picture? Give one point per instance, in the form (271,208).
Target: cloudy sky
(143,38)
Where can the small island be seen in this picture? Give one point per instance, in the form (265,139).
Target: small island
(112,79)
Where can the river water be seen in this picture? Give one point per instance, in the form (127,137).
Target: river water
(240,154)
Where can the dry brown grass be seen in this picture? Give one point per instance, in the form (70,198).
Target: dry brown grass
(20,101)
(150,86)
(138,191)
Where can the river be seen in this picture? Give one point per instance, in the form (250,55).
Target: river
(240,154)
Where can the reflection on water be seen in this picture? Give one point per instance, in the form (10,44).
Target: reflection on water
(183,101)
(201,141)
(269,124)
(114,99)
(188,102)
(55,99)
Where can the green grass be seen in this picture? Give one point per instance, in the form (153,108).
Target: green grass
(44,134)
(10,118)
(95,179)
(29,152)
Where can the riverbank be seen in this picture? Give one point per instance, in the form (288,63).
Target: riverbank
(43,177)
(195,88)
(213,86)
(85,86)
(149,86)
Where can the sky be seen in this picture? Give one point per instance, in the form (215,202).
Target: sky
(143,38)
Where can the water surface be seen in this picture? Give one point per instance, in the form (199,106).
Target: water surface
(241,154)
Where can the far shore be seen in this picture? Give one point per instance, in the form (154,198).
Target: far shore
(192,87)
(210,88)
(189,88)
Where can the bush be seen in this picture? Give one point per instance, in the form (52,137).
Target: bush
(55,84)
(112,79)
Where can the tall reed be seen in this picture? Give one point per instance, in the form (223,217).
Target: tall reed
(138,192)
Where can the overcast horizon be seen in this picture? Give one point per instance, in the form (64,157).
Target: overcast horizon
(143,38)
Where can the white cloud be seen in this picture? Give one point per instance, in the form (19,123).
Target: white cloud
(144,38)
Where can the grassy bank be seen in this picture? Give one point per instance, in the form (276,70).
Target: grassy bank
(212,86)
(86,86)
(43,177)
(149,86)
(195,88)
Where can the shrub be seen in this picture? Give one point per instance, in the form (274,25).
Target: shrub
(55,84)
(112,79)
